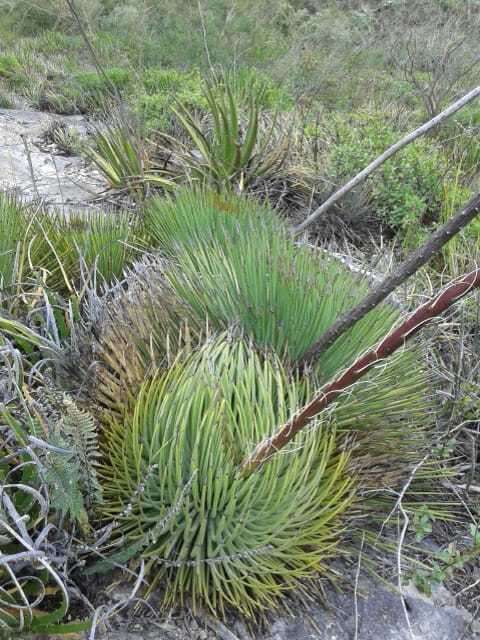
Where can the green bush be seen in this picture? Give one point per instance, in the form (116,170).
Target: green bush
(56,42)
(163,87)
(156,80)
(9,66)
(84,92)
(100,243)
(233,146)
(408,189)
(274,96)
(94,82)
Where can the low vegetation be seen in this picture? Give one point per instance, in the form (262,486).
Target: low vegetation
(147,348)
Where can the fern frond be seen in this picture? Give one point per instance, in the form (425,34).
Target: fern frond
(79,429)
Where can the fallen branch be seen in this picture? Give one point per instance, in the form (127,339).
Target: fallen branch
(363,175)
(416,260)
(392,341)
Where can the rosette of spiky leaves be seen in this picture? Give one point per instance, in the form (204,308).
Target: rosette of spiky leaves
(57,250)
(237,149)
(126,332)
(172,484)
(124,160)
(236,265)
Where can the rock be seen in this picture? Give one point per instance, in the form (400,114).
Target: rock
(381,616)
(60,181)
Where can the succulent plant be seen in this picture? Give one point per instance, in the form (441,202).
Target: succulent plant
(172,485)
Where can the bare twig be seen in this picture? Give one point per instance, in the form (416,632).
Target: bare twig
(416,260)
(355,591)
(406,140)
(205,39)
(30,164)
(73,10)
(406,521)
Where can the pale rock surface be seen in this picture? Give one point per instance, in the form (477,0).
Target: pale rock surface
(60,181)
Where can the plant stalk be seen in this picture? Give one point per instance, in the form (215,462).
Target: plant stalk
(395,339)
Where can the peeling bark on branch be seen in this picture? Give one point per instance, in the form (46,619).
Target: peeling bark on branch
(393,341)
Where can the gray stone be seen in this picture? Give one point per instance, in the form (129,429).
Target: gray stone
(60,181)
(381,616)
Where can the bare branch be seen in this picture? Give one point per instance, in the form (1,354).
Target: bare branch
(406,140)
(416,260)
(392,341)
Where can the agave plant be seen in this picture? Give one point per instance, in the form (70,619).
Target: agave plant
(238,149)
(122,158)
(173,489)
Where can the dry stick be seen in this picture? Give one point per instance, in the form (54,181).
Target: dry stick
(416,260)
(73,10)
(393,341)
(30,164)
(205,39)
(363,175)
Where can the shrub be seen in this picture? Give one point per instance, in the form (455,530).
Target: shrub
(406,190)
(162,88)
(9,66)
(92,82)
(167,86)
(235,268)
(178,421)
(156,80)
(84,92)
(273,96)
